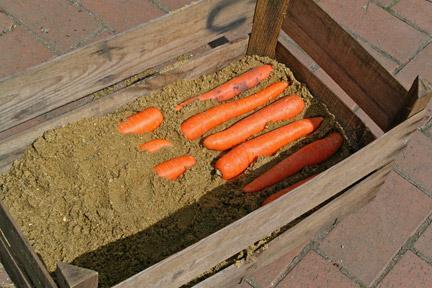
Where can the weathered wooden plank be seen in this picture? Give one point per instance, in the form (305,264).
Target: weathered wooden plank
(355,129)
(70,276)
(106,62)
(11,267)
(267,23)
(350,201)
(371,86)
(420,94)
(193,261)
(209,61)
(22,253)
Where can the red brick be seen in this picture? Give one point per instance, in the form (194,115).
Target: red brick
(103,35)
(122,15)
(314,271)
(20,50)
(365,241)
(416,160)
(5,23)
(175,4)
(376,26)
(420,65)
(410,271)
(424,243)
(418,12)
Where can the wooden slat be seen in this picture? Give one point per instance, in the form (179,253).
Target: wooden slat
(348,202)
(267,23)
(71,276)
(346,61)
(193,261)
(22,253)
(11,267)
(106,62)
(420,94)
(209,61)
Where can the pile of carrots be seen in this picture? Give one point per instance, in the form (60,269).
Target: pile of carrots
(243,151)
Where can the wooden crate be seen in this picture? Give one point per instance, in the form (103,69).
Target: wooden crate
(211,34)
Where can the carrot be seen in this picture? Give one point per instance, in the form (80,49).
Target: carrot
(311,154)
(240,157)
(154,145)
(198,124)
(145,121)
(233,87)
(283,109)
(175,167)
(284,191)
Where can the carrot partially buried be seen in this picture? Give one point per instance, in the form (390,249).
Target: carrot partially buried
(286,108)
(240,157)
(175,167)
(233,87)
(195,126)
(284,191)
(154,145)
(145,121)
(311,154)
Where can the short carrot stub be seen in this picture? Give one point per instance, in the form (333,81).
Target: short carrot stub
(154,145)
(175,167)
(145,121)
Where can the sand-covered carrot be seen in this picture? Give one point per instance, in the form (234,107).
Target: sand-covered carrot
(240,157)
(233,87)
(145,121)
(283,109)
(198,124)
(175,167)
(284,191)
(311,154)
(154,145)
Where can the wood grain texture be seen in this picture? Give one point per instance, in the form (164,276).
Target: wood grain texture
(350,201)
(208,61)
(195,260)
(22,253)
(370,85)
(267,23)
(106,62)
(14,271)
(419,96)
(71,276)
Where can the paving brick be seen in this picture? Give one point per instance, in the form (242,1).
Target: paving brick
(418,12)
(314,271)
(420,65)
(5,23)
(410,271)
(365,241)
(122,15)
(416,161)
(20,50)
(100,36)
(60,23)
(424,243)
(376,26)
(175,4)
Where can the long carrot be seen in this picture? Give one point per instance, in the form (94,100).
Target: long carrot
(240,157)
(154,145)
(233,87)
(175,167)
(284,191)
(145,121)
(283,109)
(311,154)
(195,126)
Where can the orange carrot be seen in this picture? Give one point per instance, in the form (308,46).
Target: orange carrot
(283,109)
(311,154)
(233,87)
(154,145)
(240,157)
(284,191)
(145,121)
(200,123)
(175,167)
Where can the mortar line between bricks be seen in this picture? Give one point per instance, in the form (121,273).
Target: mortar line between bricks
(160,5)
(99,20)
(413,182)
(408,245)
(422,46)
(422,256)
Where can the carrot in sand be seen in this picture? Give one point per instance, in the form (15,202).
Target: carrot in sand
(145,121)
(175,167)
(240,157)
(284,109)
(198,124)
(311,154)
(154,145)
(233,87)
